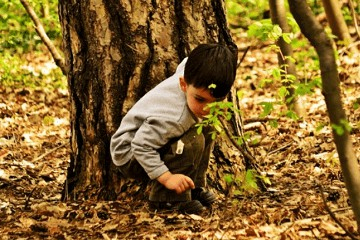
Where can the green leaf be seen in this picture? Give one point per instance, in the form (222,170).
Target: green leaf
(237,192)
(213,85)
(199,129)
(287,38)
(338,129)
(356,105)
(266,180)
(265,82)
(320,127)
(229,178)
(213,135)
(346,125)
(273,123)
(267,108)
(276,73)
(240,94)
(341,127)
(250,181)
(276,32)
(292,115)
(218,127)
(290,58)
(48,120)
(283,92)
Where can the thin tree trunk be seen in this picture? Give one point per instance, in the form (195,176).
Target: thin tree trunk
(331,91)
(278,16)
(336,20)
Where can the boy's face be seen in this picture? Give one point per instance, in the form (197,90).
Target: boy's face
(197,98)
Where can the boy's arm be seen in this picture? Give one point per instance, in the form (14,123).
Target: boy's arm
(153,134)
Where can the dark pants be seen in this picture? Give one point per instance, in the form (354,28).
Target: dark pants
(192,162)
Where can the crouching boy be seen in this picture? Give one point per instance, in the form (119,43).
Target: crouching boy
(157,138)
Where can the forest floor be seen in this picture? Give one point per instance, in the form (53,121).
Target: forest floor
(299,159)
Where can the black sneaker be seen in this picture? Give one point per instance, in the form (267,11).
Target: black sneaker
(205,197)
(189,207)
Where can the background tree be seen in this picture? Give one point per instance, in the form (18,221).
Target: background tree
(115,52)
(336,21)
(331,91)
(285,55)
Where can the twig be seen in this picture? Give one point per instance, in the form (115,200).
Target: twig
(312,231)
(351,4)
(280,148)
(238,131)
(265,119)
(41,32)
(26,205)
(332,215)
(250,161)
(243,152)
(50,151)
(243,56)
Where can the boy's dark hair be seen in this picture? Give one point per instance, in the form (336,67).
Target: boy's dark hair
(211,64)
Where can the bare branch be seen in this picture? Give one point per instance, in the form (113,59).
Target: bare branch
(41,32)
(332,215)
(351,4)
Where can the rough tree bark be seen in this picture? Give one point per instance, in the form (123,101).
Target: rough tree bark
(115,52)
(278,16)
(331,91)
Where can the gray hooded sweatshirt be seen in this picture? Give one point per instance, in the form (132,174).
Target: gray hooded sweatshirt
(160,115)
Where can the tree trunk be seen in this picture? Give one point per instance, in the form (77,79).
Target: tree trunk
(336,20)
(115,52)
(278,16)
(331,91)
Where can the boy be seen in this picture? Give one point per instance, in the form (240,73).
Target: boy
(157,138)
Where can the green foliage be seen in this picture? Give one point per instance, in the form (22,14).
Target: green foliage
(264,30)
(23,53)
(17,71)
(267,108)
(340,128)
(48,120)
(332,160)
(307,63)
(243,139)
(216,111)
(247,182)
(225,110)
(356,104)
(246,10)
(17,30)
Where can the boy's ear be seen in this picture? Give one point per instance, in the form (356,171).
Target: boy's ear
(183,84)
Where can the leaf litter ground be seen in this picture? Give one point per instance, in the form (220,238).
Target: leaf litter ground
(34,155)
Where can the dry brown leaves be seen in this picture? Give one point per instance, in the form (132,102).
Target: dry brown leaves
(295,156)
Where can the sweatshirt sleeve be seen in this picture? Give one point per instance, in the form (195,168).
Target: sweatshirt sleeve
(153,134)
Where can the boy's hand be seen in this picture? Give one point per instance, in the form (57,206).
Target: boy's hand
(177,182)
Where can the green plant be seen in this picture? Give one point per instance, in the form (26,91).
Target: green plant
(264,30)
(25,60)
(217,110)
(340,128)
(225,110)
(48,120)
(246,182)
(249,9)
(17,31)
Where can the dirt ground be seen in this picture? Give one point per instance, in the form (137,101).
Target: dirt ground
(299,159)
